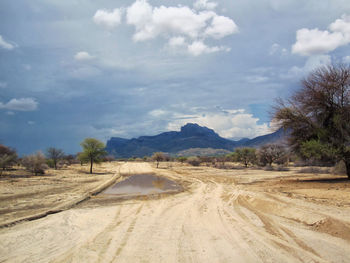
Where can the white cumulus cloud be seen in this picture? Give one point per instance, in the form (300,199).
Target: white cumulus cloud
(177,41)
(227,123)
(314,41)
(180,25)
(5,45)
(198,47)
(220,27)
(22,104)
(109,19)
(83,56)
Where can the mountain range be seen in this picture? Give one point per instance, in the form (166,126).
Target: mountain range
(190,136)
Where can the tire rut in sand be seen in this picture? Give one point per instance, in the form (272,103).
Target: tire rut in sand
(272,236)
(127,233)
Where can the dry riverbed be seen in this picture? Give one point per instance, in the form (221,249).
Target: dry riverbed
(221,216)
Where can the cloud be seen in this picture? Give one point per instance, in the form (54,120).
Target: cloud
(276,49)
(85,72)
(22,104)
(221,26)
(6,45)
(311,64)
(204,4)
(177,41)
(109,19)
(314,41)
(257,79)
(83,56)
(3,84)
(198,47)
(179,25)
(158,113)
(232,123)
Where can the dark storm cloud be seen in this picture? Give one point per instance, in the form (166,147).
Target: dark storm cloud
(80,78)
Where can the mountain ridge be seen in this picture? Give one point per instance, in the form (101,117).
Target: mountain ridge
(190,136)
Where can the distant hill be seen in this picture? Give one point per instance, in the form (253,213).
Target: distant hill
(190,136)
(203,152)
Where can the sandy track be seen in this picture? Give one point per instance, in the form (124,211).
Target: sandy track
(215,220)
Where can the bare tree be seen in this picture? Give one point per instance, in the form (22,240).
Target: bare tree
(318,114)
(158,157)
(55,155)
(270,153)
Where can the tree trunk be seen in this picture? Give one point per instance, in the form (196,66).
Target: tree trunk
(55,164)
(91,163)
(157,163)
(347,164)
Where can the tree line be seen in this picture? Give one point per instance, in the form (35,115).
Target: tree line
(93,151)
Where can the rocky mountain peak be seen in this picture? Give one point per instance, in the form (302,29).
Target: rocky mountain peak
(193,129)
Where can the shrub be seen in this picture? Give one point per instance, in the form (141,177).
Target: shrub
(194,161)
(35,163)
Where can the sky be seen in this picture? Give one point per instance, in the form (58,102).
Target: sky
(86,68)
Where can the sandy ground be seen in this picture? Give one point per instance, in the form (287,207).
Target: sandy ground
(23,196)
(222,216)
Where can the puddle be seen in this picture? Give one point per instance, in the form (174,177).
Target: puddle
(143,184)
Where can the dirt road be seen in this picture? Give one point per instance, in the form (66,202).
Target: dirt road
(223,216)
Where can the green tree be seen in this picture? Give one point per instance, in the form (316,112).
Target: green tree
(318,115)
(55,155)
(246,155)
(8,157)
(93,151)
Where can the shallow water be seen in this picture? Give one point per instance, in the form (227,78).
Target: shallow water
(143,184)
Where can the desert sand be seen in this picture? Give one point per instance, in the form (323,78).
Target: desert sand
(235,215)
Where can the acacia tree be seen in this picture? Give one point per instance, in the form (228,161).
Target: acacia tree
(270,153)
(93,151)
(158,157)
(8,157)
(318,115)
(55,155)
(245,155)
